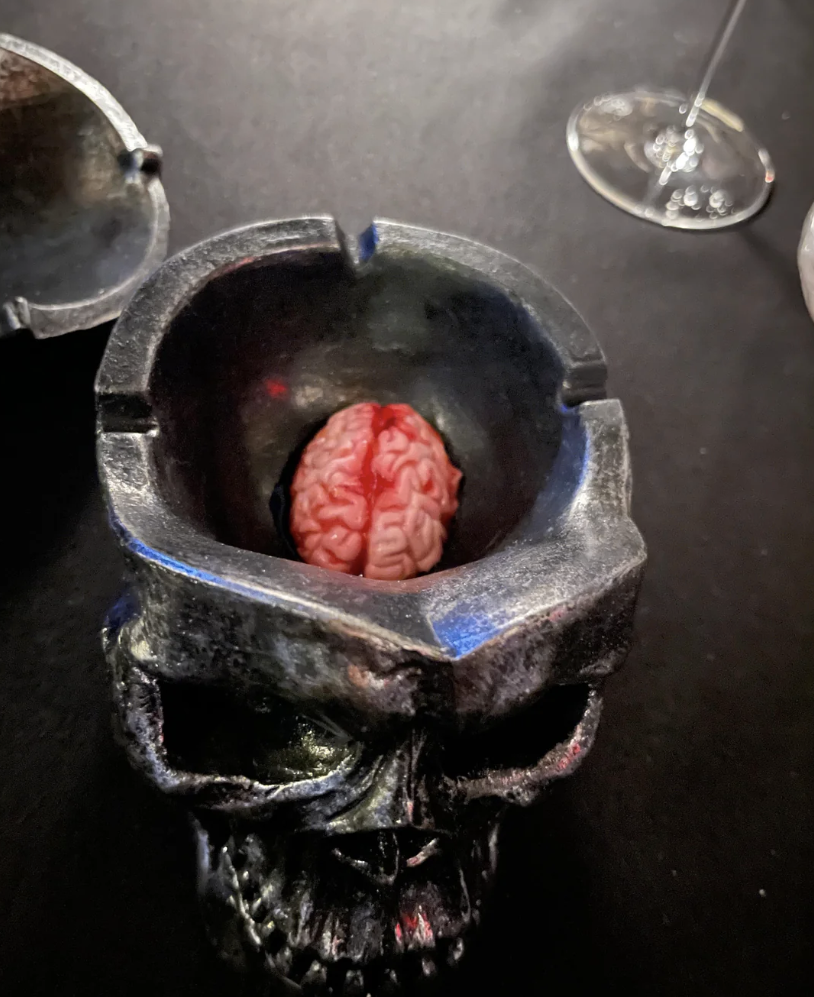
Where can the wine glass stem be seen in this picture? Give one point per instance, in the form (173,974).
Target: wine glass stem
(714,58)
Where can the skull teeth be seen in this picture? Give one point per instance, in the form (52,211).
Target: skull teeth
(315,977)
(284,959)
(354,983)
(335,953)
(390,982)
(258,908)
(428,967)
(455,952)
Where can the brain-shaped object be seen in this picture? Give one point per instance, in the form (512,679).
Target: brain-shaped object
(373,494)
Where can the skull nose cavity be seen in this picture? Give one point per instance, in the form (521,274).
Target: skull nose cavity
(374,854)
(400,796)
(381,855)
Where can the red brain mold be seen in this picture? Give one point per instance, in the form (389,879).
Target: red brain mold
(374,493)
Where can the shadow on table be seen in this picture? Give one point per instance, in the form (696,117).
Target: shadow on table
(47,442)
(781,264)
(107,905)
(538,935)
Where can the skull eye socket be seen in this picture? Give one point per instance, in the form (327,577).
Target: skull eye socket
(520,740)
(211,732)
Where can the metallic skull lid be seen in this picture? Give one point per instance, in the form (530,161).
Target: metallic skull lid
(83,216)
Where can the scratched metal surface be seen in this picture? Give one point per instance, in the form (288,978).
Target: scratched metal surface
(680,859)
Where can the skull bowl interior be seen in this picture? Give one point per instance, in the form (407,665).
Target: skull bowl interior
(347,746)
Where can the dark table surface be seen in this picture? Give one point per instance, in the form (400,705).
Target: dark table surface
(681,859)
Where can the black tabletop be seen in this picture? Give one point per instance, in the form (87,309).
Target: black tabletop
(680,860)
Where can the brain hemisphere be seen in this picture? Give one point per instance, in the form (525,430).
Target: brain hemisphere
(374,493)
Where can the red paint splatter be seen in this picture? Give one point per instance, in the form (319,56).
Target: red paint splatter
(275,388)
(384,417)
(417,927)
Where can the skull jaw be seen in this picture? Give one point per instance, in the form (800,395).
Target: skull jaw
(275,897)
(285,907)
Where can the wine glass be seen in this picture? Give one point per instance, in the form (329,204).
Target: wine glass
(685,162)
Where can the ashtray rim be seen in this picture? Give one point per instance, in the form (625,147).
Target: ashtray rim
(501,592)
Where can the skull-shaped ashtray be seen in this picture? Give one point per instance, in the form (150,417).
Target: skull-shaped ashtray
(347,746)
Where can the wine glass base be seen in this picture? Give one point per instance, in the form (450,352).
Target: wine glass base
(635,150)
